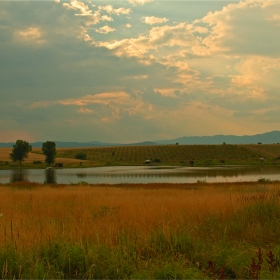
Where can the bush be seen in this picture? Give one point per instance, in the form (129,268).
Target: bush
(263,180)
(81,155)
(37,161)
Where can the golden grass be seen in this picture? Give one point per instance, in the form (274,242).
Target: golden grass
(41,214)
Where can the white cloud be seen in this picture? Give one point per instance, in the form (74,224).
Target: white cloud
(122,11)
(229,34)
(105,29)
(105,17)
(110,9)
(139,2)
(101,98)
(154,20)
(79,6)
(30,34)
(158,37)
(140,77)
(85,110)
(84,35)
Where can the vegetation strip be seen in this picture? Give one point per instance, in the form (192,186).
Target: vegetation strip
(179,155)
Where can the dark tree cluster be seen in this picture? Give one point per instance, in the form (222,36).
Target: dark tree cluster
(21,149)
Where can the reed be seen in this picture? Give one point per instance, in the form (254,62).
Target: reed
(140,231)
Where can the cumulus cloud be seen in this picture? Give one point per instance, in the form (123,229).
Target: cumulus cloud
(158,37)
(229,34)
(110,9)
(154,20)
(105,29)
(139,2)
(105,17)
(79,6)
(30,34)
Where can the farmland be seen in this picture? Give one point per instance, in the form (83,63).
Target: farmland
(149,231)
(203,155)
(178,154)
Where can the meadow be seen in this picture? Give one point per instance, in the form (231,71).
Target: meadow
(145,231)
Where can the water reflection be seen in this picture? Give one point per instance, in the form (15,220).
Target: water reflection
(19,175)
(50,176)
(81,175)
(142,174)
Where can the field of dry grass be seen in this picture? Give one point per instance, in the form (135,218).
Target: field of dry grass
(139,231)
(69,213)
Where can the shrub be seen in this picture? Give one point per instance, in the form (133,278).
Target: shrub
(81,155)
(263,180)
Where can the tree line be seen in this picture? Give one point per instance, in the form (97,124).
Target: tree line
(21,149)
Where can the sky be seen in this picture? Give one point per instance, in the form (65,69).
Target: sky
(138,70)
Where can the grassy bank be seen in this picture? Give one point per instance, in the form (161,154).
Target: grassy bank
(153,231)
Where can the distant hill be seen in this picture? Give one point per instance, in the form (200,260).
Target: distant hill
(265,138)
(60,144)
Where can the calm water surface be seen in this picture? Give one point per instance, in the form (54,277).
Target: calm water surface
(142,174)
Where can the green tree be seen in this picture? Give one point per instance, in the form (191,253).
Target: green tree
(81,155)
(49,150)
(20,151)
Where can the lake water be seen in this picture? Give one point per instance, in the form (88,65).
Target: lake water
(142,174)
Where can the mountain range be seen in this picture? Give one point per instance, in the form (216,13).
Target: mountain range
(265,138)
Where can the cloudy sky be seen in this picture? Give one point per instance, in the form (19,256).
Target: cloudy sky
(136,70)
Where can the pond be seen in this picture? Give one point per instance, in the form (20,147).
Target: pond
(142,174)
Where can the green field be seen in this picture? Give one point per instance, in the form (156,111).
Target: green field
(202,155)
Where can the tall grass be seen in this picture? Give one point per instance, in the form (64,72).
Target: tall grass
(139,231)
